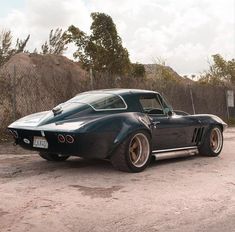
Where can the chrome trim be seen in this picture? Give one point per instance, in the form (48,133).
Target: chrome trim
(124,108)
(62,136)
(113,108)
(174,149)
(156,96)
(70,137)
(26,141)
(163,109)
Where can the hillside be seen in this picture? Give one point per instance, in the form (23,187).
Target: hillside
(41,82)
(154,71)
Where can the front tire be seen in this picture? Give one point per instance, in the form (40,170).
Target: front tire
(53,156)
(134,154)
(213,143)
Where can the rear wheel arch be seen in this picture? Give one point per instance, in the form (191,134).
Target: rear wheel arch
(121,157)
(121,138)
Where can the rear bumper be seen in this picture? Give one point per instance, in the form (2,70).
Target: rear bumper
(89,145)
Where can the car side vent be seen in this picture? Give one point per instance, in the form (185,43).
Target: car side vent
(197,135)
(200,135)
(194,134)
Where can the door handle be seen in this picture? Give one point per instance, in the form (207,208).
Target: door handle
(155,124)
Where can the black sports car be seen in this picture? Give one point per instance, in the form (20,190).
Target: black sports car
(126,126)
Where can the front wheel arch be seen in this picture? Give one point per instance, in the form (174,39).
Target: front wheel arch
(207,148)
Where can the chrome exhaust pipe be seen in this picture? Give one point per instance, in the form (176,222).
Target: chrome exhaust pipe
(175,154)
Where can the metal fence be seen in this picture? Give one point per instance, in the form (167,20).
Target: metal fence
(27,90)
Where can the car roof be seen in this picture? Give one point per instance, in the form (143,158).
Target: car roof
(122,92)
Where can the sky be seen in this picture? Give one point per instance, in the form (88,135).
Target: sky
(184,34)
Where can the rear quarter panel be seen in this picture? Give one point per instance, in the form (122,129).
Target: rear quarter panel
(102,136)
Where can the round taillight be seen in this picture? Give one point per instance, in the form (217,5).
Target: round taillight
(61,138)
(69,139)
(14,133)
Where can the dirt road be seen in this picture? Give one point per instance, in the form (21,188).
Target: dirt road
(184,194)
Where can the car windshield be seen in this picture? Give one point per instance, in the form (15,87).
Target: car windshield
(100,101)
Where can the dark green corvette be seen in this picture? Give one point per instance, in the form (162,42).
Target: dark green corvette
(126,126)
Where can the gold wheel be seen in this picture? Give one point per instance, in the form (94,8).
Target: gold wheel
(216,140)
(139,150)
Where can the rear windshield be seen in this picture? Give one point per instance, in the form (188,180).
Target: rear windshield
(101,101)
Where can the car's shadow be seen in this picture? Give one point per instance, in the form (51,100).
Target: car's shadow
(34,165)
(76,163)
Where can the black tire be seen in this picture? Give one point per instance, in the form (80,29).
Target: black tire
(207,148)
(121,158)
(53,156)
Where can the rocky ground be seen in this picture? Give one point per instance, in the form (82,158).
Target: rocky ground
(183,194)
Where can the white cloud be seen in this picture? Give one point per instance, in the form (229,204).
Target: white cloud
(185,33)
(39,17)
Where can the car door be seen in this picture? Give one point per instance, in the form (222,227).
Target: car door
(168,132)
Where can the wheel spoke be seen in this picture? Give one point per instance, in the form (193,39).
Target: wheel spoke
(134,145)
(134,156)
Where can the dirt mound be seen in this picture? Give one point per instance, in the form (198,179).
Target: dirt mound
(154,71)
(41,82)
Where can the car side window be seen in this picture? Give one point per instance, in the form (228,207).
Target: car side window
(151,105)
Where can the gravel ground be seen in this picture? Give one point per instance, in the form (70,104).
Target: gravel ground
(183,194)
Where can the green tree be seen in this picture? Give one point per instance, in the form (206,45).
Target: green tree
(137,70)
(55,44)
(167,75)
(6,50)
(220,71)
(102,50)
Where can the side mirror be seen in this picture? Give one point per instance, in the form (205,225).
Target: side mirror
(168,112)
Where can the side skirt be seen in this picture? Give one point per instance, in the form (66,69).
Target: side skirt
(176,152)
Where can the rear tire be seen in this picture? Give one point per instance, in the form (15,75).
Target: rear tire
(53,156)
(213,143)
(134,154)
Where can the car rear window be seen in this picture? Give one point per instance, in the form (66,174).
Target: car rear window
(101,101)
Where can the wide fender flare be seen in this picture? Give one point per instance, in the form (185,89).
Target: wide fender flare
(130,125)
(208,121)
(211,120)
